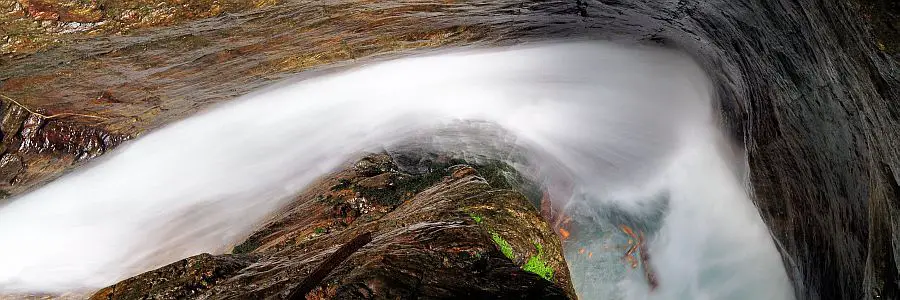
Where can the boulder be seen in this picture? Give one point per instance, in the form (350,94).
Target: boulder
(366,234)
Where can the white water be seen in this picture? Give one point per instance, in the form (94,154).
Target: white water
(620,122)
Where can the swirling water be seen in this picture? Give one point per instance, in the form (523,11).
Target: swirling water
(618,134)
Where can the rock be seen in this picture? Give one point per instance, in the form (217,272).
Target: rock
(13,118)
(378,182)
(10,166)
(178,42)
(47,146)
(41,11)
(457,237)
(187,278)
(462,171)
(807,87)
(373,165)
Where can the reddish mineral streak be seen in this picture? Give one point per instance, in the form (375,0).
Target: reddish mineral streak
(645,261)
(637,245)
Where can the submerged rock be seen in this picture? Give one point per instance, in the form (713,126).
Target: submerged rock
(367,234)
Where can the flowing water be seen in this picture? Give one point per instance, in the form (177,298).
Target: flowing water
(619,135)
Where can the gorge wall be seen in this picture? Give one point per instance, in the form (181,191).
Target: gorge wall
(809,87)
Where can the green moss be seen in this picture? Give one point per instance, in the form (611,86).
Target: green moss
(504,176)
(475,217)
(504,245)
(537,265)
(320,230)
(245,247)
(404,184)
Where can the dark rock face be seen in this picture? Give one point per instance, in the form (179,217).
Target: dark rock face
(36,148)
(372,232)
(809,87)
(183,279)
(884,18)
(803,86)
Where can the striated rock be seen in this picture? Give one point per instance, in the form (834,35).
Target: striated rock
(43,10)
(445,234)
(10,167)
(183,279)
(35,25)
(884,19)
(37,148)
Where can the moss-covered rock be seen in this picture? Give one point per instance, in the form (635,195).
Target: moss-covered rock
(371,231)
(187,278)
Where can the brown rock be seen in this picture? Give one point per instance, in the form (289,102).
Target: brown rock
(381,181)
(458,237)
(463,171)
(41,11)
(184,279)
(13,117)
(173,67)
(10,166)
(48,146)
(373,165)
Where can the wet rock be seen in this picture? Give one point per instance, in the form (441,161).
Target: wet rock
(884,17)
(45,147)
(10,166)
(43,10)
(808,87)
(187,278)
(13,118)
(148,78)
(462,171)
(40,11)
(373,165)
(456,237)
(45,23)
(378,182)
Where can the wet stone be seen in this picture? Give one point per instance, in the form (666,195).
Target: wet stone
(381,181)
(462,171)
(343,246)
(13,117)
(805,123)
(374,165)
(183,279)
(10,166)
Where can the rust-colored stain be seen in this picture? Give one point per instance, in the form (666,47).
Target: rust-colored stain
(637,254)
(632,246)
